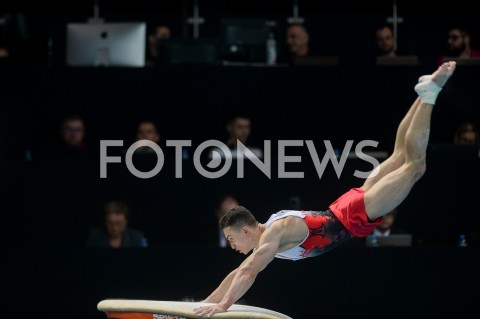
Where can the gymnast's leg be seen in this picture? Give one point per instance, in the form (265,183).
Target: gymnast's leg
(407,164)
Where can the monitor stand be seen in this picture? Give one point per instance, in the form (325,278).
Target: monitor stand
(96,14)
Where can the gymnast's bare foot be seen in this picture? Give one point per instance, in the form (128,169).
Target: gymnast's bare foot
(429,86)
(443,73)
(449,66)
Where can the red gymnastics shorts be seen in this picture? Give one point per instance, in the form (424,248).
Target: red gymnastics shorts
(350,210)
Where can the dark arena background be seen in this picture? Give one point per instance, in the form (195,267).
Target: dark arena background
(50,201)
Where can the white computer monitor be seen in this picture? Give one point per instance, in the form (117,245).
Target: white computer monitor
(106,44)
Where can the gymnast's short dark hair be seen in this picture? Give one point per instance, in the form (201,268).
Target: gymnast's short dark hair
(236,218)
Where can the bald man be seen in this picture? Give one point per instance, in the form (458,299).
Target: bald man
(298,40)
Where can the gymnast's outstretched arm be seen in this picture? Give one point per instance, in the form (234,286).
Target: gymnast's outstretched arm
(217,295)
(244,276)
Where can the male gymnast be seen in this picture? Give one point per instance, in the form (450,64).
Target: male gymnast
(300,234)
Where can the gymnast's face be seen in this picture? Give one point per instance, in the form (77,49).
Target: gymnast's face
(240,240)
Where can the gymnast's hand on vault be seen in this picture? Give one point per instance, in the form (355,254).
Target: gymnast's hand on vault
(208,311)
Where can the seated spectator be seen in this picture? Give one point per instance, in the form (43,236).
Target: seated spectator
(147,130)
(467,134)
(298,46)
(300,50)
(71,143)
(298,40)
(115,232)
(239,129)
(385,41)
(387,226)
(226,203)
(73,132)
(459,45)
(145,157)
(155,37)
(386,49)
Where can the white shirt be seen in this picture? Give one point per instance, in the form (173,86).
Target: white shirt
(380,234)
